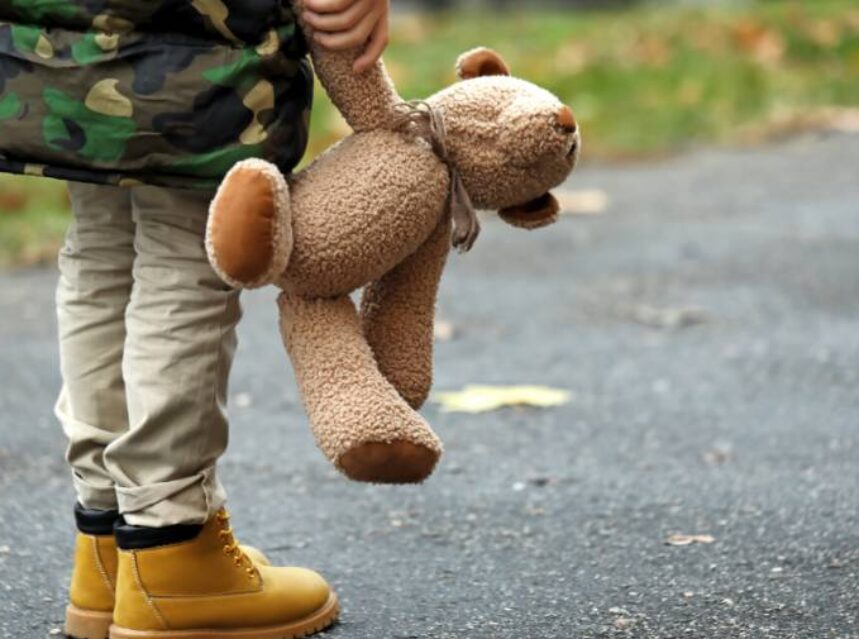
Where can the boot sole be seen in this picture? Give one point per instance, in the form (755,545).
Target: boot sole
(317,622)
(87,624)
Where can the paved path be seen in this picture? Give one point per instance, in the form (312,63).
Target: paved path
(552,524)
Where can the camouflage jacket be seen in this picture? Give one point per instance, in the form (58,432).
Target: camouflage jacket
(167,92)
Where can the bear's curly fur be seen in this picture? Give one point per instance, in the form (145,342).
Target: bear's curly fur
(374,212)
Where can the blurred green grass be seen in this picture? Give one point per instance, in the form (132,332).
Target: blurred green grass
(652,80)
(33,218)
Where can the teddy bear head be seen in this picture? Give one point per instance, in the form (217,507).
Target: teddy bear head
(510,141)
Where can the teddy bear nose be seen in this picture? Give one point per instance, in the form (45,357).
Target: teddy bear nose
(566,120)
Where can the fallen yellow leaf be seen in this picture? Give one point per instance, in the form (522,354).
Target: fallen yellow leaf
(670,317)
(12,201)
(443,331)
(480,399)
(762,43)
(685,540)
(583,202)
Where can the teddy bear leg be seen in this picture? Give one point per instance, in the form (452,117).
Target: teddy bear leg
(359,420)
(249,232)
(398,314)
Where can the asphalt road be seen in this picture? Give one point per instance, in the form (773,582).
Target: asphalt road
(741,422)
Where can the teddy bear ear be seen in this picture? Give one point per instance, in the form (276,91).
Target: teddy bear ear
(480,62)
(535,214)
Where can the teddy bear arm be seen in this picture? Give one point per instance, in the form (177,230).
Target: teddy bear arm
(366,101)
(398,316)
(249,230)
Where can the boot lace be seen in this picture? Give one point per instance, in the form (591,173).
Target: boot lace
(231,546)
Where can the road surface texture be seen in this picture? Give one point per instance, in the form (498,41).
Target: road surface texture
(707,324)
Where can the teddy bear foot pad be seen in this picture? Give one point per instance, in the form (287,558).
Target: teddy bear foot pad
(398,462)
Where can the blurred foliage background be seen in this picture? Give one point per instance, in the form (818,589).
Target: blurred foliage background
(644,79)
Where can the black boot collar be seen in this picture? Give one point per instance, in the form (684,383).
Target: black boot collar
(95,522)
(130,537)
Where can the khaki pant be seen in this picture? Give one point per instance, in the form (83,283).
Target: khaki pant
(147,337)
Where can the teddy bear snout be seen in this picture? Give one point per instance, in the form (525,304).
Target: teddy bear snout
(565,119)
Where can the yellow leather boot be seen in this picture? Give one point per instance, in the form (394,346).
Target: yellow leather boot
(91,594)
(197,583)
(90,610)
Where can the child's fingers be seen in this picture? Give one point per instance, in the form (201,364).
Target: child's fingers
(375,46)
(354,37)
(343,21)
(327,6)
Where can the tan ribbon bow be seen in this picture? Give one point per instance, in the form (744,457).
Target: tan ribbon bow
(423,119)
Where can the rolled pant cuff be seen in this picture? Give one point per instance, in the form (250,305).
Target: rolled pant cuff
(95,497)
(190,500)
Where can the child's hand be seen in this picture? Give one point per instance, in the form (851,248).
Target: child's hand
(344,24)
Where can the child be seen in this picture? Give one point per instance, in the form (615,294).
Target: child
(143,107)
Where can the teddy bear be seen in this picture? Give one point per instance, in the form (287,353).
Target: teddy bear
(379,211)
